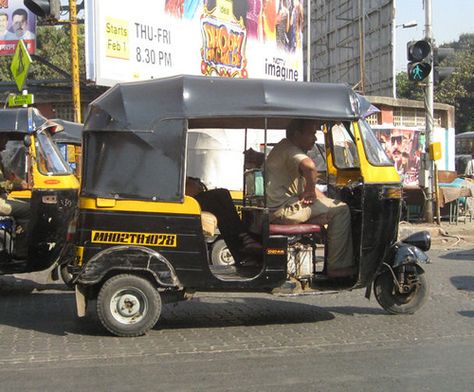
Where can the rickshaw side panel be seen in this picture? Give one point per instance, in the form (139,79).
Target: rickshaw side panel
(51,214)
(186,252)
(101,230)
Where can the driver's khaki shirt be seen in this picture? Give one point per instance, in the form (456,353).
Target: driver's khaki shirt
(283,179)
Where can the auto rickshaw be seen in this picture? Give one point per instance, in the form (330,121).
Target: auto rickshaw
(48,185)
(69,142)
(140,240)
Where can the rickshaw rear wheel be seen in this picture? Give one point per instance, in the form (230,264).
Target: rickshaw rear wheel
(220,254)
(66,276)
(128,305)
(388,296)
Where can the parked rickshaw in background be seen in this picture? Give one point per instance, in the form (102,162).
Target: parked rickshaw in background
(140,240)
(69,142)
(49,186)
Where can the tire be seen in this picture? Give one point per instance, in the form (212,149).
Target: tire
(66,276)
(132,318)
(220,254)
(394,302)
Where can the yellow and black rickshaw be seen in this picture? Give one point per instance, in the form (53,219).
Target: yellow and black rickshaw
(32,159)
(69,141)
(140,240)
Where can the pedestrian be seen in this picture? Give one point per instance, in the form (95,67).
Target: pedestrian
(469,172)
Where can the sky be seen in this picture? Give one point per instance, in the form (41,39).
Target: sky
(450,18)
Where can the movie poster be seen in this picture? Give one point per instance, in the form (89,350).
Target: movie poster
(16,22)
(405,148)
(225,38)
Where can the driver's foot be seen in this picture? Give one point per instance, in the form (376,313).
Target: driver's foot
(249,245)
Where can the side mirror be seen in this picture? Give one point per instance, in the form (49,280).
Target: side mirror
(27,141)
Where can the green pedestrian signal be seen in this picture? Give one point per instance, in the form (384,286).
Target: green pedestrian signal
(418,71)
(419,60)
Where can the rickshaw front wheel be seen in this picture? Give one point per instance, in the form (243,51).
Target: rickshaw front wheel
(393,301)
(128,305)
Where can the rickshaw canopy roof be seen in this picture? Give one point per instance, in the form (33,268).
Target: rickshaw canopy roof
(20,120)
(71,134)
(141,105)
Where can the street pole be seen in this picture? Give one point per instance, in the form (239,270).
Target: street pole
(429,93)
(308,39)
(76,92)
(362,45)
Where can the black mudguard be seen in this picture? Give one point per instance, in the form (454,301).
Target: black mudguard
(405,254)
(128,259)
(400,254)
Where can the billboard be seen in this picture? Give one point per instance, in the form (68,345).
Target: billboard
(146,39)
(16,22)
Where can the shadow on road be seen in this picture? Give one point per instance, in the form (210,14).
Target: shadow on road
(462,254)
(11,285)
(29,305)
(353,310)
(238,312)
(54,313)
(465,283)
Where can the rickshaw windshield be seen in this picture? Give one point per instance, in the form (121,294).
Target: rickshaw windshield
(49,158)
(14,159)
(344,148)
(373,150)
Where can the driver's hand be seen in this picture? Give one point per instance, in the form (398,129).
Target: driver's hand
(308,197)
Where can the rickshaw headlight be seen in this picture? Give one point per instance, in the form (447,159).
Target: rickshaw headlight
(421,240)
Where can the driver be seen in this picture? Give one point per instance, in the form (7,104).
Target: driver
(293,197)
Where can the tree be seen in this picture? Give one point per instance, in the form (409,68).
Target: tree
(53,45)
(458,89)
(408,89)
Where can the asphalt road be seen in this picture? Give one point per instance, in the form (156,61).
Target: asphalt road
(339,342)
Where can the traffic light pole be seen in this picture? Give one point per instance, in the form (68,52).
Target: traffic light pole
(429,103)
(76,92)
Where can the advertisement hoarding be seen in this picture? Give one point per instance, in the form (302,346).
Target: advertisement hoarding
(146,39)
(16,22)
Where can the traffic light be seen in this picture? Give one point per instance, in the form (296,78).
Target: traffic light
(44,8)
(441,73)
(419,60)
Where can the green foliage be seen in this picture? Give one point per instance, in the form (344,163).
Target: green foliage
(408,89)
(53,44)
(458,89)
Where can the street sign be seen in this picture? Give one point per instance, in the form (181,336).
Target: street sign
(20,64)
(20,100)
